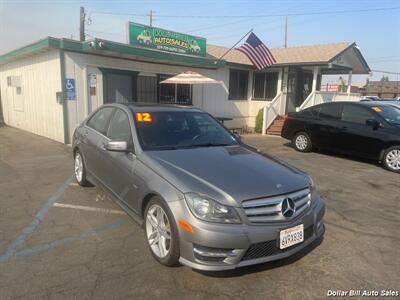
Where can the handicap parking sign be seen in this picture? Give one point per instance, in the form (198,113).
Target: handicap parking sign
(70,89)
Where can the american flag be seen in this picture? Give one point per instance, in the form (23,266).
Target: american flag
(257,52)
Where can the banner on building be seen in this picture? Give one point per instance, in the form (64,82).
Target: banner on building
(165,40)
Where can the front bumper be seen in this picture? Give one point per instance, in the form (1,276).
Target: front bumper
(216,247)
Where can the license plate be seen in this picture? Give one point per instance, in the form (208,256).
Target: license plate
(291,236)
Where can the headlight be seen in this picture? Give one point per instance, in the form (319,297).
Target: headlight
(209,210)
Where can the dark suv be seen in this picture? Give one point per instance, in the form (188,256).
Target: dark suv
(366,129)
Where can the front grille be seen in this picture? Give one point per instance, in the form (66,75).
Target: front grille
(270,209)
(269,248)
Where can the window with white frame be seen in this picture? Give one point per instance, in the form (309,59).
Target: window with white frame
(265,85)
(174,93)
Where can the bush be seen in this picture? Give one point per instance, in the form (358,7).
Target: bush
(259,120)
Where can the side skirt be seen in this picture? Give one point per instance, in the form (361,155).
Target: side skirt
(138,219)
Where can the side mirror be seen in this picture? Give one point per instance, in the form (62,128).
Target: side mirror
(117,146)
(373,123)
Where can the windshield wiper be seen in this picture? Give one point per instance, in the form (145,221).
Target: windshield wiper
(203,145)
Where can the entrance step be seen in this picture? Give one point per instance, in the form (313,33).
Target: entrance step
(276,126)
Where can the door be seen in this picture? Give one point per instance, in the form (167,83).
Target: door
(119,86)
(327,131)
(95,131)
(292,90)
(356,136)
(117,171)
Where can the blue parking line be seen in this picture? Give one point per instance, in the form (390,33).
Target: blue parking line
(56,243)
(27,231)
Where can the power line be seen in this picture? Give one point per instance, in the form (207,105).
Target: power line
(385,72)
(237,22)
(254,16)
(383,60)
(106,32)
(383,57)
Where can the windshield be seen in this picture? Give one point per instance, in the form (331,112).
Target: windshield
(390,113)
(179,130)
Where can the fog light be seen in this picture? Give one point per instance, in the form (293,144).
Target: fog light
(213,252)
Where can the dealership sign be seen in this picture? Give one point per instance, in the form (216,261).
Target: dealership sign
(165,40)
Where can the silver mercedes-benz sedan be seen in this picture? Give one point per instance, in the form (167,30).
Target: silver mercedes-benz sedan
(205,199)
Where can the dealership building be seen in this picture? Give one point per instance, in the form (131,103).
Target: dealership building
(50,86)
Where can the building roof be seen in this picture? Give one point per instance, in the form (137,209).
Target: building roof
(293,55)
(332,54)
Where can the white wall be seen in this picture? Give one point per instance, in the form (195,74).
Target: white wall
(212,98)
(36,108)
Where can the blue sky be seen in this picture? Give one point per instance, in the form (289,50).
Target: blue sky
(376,32)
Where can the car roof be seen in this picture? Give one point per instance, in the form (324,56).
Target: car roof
(376,103)
(148,107)
(363,103)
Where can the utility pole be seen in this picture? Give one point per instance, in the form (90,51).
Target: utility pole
(82,16)
(151,17)
(285,31)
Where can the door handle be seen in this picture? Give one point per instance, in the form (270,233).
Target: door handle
(103,147)
(343,128)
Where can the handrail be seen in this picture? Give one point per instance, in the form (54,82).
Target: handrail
(306,103)
(271,111)
(318,97)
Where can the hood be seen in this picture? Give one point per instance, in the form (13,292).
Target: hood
(227,174)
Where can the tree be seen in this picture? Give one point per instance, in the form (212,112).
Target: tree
(385,78)
(343,83)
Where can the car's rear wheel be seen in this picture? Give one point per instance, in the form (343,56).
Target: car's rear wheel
(391,159)
(161,232)
(302,142)
(80,170)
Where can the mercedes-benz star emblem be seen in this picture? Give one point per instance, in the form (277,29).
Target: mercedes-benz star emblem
(288,207)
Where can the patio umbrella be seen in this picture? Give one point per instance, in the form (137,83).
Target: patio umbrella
(190,77)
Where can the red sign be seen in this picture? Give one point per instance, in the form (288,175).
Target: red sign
(330,88)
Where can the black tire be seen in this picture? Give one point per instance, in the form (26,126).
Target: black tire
(302,142)
(172,258)
(81,181)
(386,159)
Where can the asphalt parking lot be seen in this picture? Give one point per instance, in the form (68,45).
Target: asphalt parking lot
(61,241)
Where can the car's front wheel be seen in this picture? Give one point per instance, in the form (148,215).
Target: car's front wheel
(302,142)
(391,159)
(161,232)
(80,169)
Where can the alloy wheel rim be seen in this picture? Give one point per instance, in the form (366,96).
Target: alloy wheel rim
(158,231)
(393,159)
(78,167)
(301,142)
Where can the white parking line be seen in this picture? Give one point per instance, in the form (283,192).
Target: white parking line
(89,208)
(74,184)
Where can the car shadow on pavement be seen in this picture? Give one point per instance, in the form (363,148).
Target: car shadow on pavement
(340,155)
(264,266)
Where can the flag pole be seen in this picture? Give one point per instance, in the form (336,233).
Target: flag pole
(230,49)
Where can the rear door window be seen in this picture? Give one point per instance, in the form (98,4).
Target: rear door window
(99,121)
(311,112)
(356,114)
(332,111)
